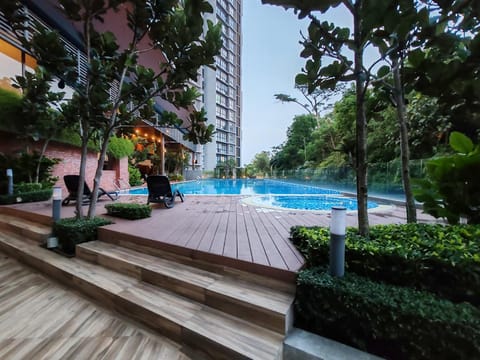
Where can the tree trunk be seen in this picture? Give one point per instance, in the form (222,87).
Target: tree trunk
(404,147)
(162,154)
(98,174)
(361,127)
(39,163)
(81,175)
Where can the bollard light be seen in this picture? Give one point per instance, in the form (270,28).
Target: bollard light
(56,204)
(10,181)
(337,241)
(57,193)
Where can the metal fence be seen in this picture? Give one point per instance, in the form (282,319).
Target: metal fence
(384,179)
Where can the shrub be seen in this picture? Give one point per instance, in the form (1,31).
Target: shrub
(72,231)
(134,176)
(10,108)
(25,197)
(451,188)
(391,321)
(441,259)
(26,187)
(176,177)
(129,210)
(24,166)
(119,147)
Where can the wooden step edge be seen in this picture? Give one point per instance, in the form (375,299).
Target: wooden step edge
(268,317)
(30,215)
(276,278)
(25,228)
(204,327)
(122,303)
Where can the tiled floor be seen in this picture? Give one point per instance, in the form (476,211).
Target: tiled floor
(41,319)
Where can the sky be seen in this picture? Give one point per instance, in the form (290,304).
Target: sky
(270,61)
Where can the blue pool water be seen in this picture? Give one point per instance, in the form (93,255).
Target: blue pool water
(280,193)
(306,202)
(242,187)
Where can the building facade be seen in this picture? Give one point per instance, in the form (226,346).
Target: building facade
(14,60)
(222,89)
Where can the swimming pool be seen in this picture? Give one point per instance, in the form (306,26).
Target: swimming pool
(241,187)
(281,194)
(306,202)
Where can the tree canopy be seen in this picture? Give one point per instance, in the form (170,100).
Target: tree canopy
(174,29)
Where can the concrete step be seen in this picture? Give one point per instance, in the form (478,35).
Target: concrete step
(259,304)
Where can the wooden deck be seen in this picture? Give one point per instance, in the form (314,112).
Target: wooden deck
(41,319)
(224,229)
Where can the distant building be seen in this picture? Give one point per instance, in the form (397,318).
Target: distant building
(222,88)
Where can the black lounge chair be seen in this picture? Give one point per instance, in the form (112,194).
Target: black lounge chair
(160,191)
(71,182)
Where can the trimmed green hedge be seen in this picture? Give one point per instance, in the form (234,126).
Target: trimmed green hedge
(25,197)
(129,210)
(391,321)
(442,259)
(72,231)
(27,187)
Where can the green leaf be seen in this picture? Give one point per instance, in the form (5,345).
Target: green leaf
(383,71)
(416,57)
(301,79)
(460,143)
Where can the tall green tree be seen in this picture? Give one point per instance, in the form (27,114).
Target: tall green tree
(293,153)
(445,64)
(325,40)
(393,31)
(40,119)
(429,127)
(261,162)
(313,103)
(173,28)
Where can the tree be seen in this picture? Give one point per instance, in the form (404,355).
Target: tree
(400,38)
(173,28)
(228,167)
(40,119)
(429,128)
(293,153)
(325,40)
(316,102)
(446,63)
(175,161)
(392,28)
(261,162)
(451,189)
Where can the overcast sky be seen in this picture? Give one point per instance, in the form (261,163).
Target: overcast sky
(270,61)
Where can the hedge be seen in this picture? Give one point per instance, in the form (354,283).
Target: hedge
(129,210)
(390,321)
(442,259)
(25,197)
(72,231)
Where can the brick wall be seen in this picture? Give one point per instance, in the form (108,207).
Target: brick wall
(70,162)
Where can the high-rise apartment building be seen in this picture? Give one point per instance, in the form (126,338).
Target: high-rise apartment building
(222,88)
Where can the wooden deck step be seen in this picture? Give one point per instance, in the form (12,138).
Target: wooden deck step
(25,228)
(260,304)
(220,335)
(148,244)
